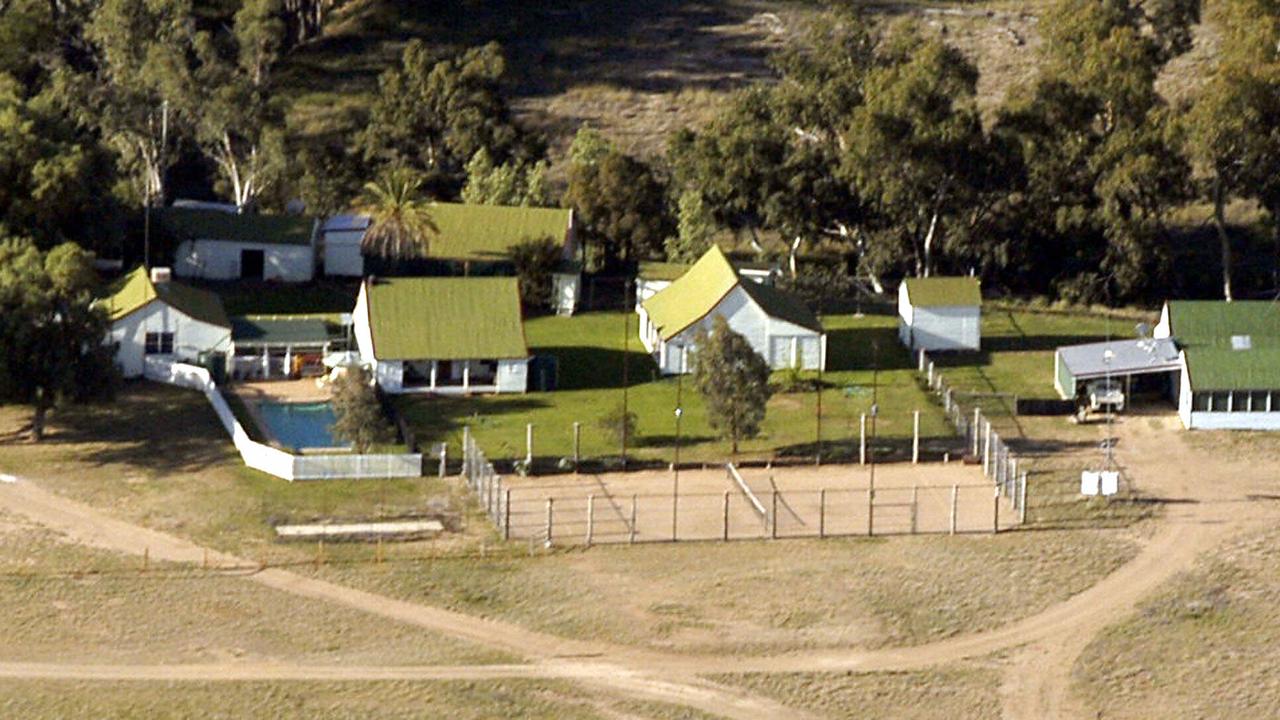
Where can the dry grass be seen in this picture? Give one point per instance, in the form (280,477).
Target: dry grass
(756,597)
(457,700)
(940,694)
(70,603)
(1207,646)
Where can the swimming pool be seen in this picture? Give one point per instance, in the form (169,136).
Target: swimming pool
(300,425)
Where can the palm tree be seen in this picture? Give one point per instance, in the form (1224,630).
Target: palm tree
(400,224)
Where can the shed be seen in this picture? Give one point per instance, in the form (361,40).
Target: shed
(217,245)
(940,313)
(1120,359)
(443,335)
(1230,362)
(340,241)
(153,316)
(778,325)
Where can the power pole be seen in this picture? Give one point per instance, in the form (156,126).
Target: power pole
(817,458)
(626,345)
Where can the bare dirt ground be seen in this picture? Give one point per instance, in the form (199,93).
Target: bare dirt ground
(807,501)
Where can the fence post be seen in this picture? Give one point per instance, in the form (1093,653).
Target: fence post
(632,538)
(1022,500)
(977,428)
(871,511)
(986,453)
(506,515)
(444,458)
(915,504)
(930,374)
(724,523)
(955,497)
(920,361)
(995,514)
(528,445)
(466,449)
(862,440)
(773,516)
(822,514)
(591,516)
(550,519)
(915,437)
(577,446)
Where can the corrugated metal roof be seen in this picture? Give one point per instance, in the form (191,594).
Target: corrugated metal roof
(943,291)
(269,330)
(446,318)
(1214,322)
(1218,368)
(135,290)
(201,224)
(488,232)
(345,223)
(1128,357)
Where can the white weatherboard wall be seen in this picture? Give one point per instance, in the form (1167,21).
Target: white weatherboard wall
(782,344)
(190,336)
(954,327)
(342,256)
(1193,419)
(274,461)
(220,260)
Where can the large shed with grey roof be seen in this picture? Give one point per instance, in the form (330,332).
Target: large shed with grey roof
(940,313)
(1230,356)
(778,325)
(443,335)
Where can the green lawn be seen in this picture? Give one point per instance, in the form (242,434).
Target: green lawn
(590,352)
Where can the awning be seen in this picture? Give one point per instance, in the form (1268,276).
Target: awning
(1120,357)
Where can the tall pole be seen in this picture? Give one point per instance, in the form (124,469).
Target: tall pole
(675,467)
(626,345)
(817,457)
(875,410)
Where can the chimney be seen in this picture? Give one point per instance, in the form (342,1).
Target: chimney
(161,275)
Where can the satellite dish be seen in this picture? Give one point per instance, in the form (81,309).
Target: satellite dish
(1142,329)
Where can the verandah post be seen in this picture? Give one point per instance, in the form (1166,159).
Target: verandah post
(915,437)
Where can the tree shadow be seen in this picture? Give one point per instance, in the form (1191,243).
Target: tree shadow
(669,440)
(865,349)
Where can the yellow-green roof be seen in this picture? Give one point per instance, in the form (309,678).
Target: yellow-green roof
(445,318)
(943,291)
(488,232)
(696,293)
(135,290)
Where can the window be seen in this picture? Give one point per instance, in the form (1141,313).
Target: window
(159,343)
(1258,401)
(1219,403)
(1240,401)
(1200,402)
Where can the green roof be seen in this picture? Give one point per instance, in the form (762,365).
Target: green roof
(1221,368)
(132,292)
(445,318)
(199,224)
(280,330)
(690,297)
(488,232)
(943,291)
(1214,322)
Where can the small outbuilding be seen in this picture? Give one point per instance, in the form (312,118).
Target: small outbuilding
(341,237)
(444,335)
(778,325)
(940,313)
(1155,361)
(153,316)
(1230,362)
(216,245)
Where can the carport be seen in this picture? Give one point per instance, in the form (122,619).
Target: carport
(1075,365)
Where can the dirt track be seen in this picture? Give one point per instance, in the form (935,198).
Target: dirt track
(1204,505)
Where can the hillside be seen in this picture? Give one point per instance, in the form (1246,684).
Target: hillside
(636,70)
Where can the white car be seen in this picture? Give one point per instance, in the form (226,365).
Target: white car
(1105,395)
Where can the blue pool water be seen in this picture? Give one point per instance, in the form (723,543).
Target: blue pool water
(300,425)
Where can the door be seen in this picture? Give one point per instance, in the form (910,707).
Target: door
(252,264)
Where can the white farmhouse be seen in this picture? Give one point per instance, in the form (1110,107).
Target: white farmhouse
(445,335)
(152,316)
(780,328)
(217,245)
(940,313)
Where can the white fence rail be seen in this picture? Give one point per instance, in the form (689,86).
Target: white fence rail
(274,461)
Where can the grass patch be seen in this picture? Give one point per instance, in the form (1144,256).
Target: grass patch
(1207,645)
(941,694)
(71,603)
(756,597)
(590,352)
